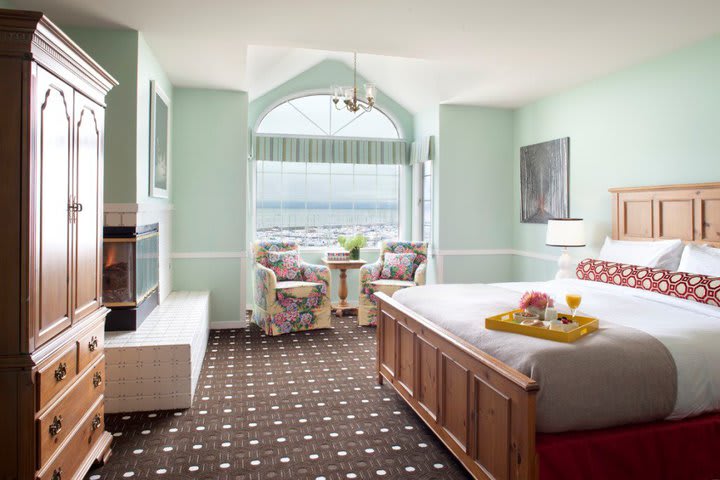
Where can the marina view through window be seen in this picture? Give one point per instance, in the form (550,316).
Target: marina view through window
(313,203)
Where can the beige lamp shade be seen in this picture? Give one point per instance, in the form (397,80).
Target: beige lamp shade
(565,232)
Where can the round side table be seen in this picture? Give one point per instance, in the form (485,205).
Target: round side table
(345,265)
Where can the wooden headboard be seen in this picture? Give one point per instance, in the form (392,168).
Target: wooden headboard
(689,212)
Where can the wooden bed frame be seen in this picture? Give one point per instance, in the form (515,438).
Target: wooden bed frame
(482,409)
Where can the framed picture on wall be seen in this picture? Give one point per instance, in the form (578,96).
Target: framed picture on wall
(159,137)
(544,182)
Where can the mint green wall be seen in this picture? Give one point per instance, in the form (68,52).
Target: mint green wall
(6,4)
(148,69)
(474,199)
(655,123)
(209,146)
(116,51)
(321,77)
(221,277)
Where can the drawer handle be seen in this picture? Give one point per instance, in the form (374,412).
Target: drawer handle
(97,379)
(92,345)
(61,372)
(95,422)
(55,426)
(57,474)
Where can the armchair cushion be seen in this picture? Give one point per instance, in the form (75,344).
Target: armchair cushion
(286,265)
(380,284)
(300,295)
(398,266)
(418,248)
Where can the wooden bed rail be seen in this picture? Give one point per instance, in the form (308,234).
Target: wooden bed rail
(481,409)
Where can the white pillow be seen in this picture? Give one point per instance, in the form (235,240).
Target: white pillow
(700,259)
(663,254)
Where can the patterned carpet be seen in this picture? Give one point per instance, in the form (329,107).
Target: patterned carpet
(299,406)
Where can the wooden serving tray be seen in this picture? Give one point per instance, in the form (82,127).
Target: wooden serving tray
(504,322)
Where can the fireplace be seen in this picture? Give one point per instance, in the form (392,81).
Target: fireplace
(130,275)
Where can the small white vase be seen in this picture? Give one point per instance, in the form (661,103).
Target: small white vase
(540,312)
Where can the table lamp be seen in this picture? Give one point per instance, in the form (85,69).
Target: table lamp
(565,232)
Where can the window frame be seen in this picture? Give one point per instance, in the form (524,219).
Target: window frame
(427,173)
(399,179)
(402,174)
(307,93)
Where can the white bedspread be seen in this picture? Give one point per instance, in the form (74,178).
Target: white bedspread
(689,330)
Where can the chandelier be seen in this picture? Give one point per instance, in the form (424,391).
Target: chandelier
(348,95)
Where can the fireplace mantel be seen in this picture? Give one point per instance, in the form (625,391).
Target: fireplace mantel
(132,214)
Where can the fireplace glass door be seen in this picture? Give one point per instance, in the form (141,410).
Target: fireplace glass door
(131,269)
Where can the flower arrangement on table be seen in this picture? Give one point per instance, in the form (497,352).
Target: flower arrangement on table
(536,303)
(353,244)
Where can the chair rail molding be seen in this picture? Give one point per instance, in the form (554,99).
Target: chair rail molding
(495,251)
(439,255)
(187,255)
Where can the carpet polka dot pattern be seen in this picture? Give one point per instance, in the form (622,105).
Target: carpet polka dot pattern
(297,406)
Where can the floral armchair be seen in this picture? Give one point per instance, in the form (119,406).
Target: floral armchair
(374,278)
(299,300)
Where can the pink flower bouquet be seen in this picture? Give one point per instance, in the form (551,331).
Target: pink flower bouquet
(536,302)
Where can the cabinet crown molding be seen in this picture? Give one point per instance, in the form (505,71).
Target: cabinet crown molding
(32,36)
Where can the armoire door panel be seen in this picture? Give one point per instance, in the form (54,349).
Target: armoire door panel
(51,305)
(88,224)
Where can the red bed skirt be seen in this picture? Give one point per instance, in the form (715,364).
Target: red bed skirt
(670,450)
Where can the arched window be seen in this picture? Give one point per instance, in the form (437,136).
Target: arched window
(315,115)
(313,203)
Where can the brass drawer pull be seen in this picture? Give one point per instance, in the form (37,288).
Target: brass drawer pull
(97,379)
(95,422)
(92,345)
(57,474)
(61,372)
(55,426)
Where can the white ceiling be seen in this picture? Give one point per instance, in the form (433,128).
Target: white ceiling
(420,52)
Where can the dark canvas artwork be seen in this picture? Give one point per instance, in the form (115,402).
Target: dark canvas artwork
(544,181)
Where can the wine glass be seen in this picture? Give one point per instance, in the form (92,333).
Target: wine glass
(573,301)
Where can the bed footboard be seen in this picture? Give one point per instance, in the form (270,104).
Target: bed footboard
(482,410)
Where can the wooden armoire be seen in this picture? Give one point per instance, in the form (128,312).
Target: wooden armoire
(51,314)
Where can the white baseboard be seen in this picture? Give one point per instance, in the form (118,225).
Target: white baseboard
(228,325)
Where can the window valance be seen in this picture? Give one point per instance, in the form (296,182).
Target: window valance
(329,150)
(422,150)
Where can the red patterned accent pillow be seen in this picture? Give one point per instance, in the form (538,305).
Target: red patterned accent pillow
(688,286)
